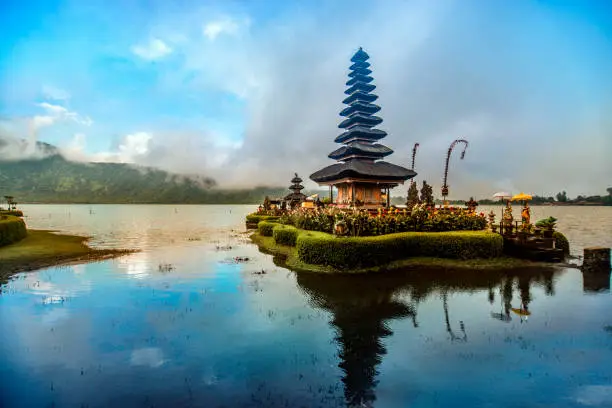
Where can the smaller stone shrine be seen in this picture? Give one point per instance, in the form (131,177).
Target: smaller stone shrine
(296,198)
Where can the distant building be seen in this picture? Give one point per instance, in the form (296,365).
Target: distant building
(361,177)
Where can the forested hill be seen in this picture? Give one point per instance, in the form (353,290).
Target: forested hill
(56,180)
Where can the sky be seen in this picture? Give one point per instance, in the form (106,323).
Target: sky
(249,92)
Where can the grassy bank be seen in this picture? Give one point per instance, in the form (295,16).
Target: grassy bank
(41,249)
(292,261)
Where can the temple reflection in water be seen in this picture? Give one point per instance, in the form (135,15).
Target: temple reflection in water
(363,307)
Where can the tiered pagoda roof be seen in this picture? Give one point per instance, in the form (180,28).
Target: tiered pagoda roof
(297,188)
(360,154)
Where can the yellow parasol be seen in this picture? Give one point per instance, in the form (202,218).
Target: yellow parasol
(522,197)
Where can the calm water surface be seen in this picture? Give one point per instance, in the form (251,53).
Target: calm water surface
(215,332)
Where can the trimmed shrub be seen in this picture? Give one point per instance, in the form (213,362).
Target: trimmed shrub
(254,218)
(266,228)
(325,249)
(361,223)
(561,242)
(285,234)
(16,213)
(12,229)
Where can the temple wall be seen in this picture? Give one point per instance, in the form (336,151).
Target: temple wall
(366,193)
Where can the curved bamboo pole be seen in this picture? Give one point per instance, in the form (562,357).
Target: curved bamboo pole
(448,155)
(414,151)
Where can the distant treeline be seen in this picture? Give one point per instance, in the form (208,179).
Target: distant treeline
(560,199)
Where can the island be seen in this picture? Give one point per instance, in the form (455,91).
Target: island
(358,230)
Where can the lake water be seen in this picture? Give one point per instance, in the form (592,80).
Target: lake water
(212,332)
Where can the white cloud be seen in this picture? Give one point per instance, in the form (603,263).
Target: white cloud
(226,25)
(57,113)
(154,49)
(132,148)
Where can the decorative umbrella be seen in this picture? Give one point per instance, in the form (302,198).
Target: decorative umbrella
(503,196)
(312,197)
(522,197)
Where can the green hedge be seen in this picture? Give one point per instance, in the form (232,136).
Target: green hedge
(561,242)
(16,213)
(265,228)
(254,218)
(325,249)
(12,229)
(285,234)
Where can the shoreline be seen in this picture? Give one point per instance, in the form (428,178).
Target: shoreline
(47,248)
(287,256)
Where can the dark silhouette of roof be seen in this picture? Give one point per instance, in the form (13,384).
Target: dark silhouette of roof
(360,153)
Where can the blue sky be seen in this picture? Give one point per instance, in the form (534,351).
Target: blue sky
(238,89)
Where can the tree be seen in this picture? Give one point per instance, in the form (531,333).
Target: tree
(413,196)
(427,194)
(609,190)
(562,197)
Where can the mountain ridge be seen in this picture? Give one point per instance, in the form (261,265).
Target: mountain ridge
(48,177)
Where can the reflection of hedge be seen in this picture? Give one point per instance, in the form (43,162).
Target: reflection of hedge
(254,218)
(265,228)
(321,248)
(561,242)
(285,235)
(12,229)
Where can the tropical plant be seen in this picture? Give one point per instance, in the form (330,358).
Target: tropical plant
(548,223)
(413,195)
(427,194)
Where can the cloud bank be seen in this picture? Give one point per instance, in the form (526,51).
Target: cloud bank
(527,86)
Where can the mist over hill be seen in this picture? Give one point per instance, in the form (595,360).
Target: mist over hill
(44,175)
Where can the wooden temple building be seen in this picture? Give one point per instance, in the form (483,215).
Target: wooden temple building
(360,176)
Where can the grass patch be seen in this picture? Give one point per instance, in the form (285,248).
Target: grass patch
(41,249)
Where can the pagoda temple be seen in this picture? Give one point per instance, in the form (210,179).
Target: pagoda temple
(295,198)
(361,177)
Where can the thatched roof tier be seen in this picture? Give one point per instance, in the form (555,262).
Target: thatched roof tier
(379,171)
(359,65)
(360,120)
(360,87)
(365,150)
(360,96)
(360,56)
(360,107)
(360,72)
(360,133)
(365,79)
